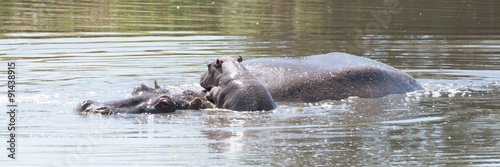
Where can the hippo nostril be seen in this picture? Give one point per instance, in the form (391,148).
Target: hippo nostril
(103,110)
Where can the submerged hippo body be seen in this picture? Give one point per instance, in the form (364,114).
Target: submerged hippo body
(231,86)
(330,76)
(149,100)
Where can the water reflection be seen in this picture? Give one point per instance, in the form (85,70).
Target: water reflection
(400,33)
(306,139)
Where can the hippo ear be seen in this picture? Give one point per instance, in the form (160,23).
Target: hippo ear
(156,85)
(218,63)
(240,59)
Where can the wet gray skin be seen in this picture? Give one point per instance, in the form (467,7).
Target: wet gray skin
(183,98)
(147,103)
(330,76)
(231,86)
(148,100)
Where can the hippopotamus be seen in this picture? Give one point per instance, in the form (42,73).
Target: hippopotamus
(184,99)
(331,76)
(147,103)
(231,86)
(148,100)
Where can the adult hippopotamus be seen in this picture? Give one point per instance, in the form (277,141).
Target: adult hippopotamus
(183,98)
(148,100)
(147,103)
(331,76)
(231,86)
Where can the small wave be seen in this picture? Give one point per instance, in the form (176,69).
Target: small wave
(439,89)
(425,119)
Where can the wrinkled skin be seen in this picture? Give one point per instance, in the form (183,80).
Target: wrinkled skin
(184,99)
(332,76)
(231,86)
(148,103)
(148,100)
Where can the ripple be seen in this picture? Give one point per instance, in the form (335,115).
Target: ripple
(417,120)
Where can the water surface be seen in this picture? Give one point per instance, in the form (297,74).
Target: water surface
(69,51)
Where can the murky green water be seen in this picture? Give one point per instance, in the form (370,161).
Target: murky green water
(69,51)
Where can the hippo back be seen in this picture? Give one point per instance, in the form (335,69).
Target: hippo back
(329,76)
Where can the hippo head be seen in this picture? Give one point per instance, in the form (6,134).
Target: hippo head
(143,89)
(209,79)
(148,103)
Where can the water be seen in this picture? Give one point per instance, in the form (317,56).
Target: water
(69,51)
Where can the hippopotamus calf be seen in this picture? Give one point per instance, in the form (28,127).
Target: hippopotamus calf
(330,76)
(148,103)
(231,86)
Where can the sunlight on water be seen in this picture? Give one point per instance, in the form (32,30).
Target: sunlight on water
(427,119)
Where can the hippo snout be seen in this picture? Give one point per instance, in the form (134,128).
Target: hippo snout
(204,82)
(89,106)
(85,106)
